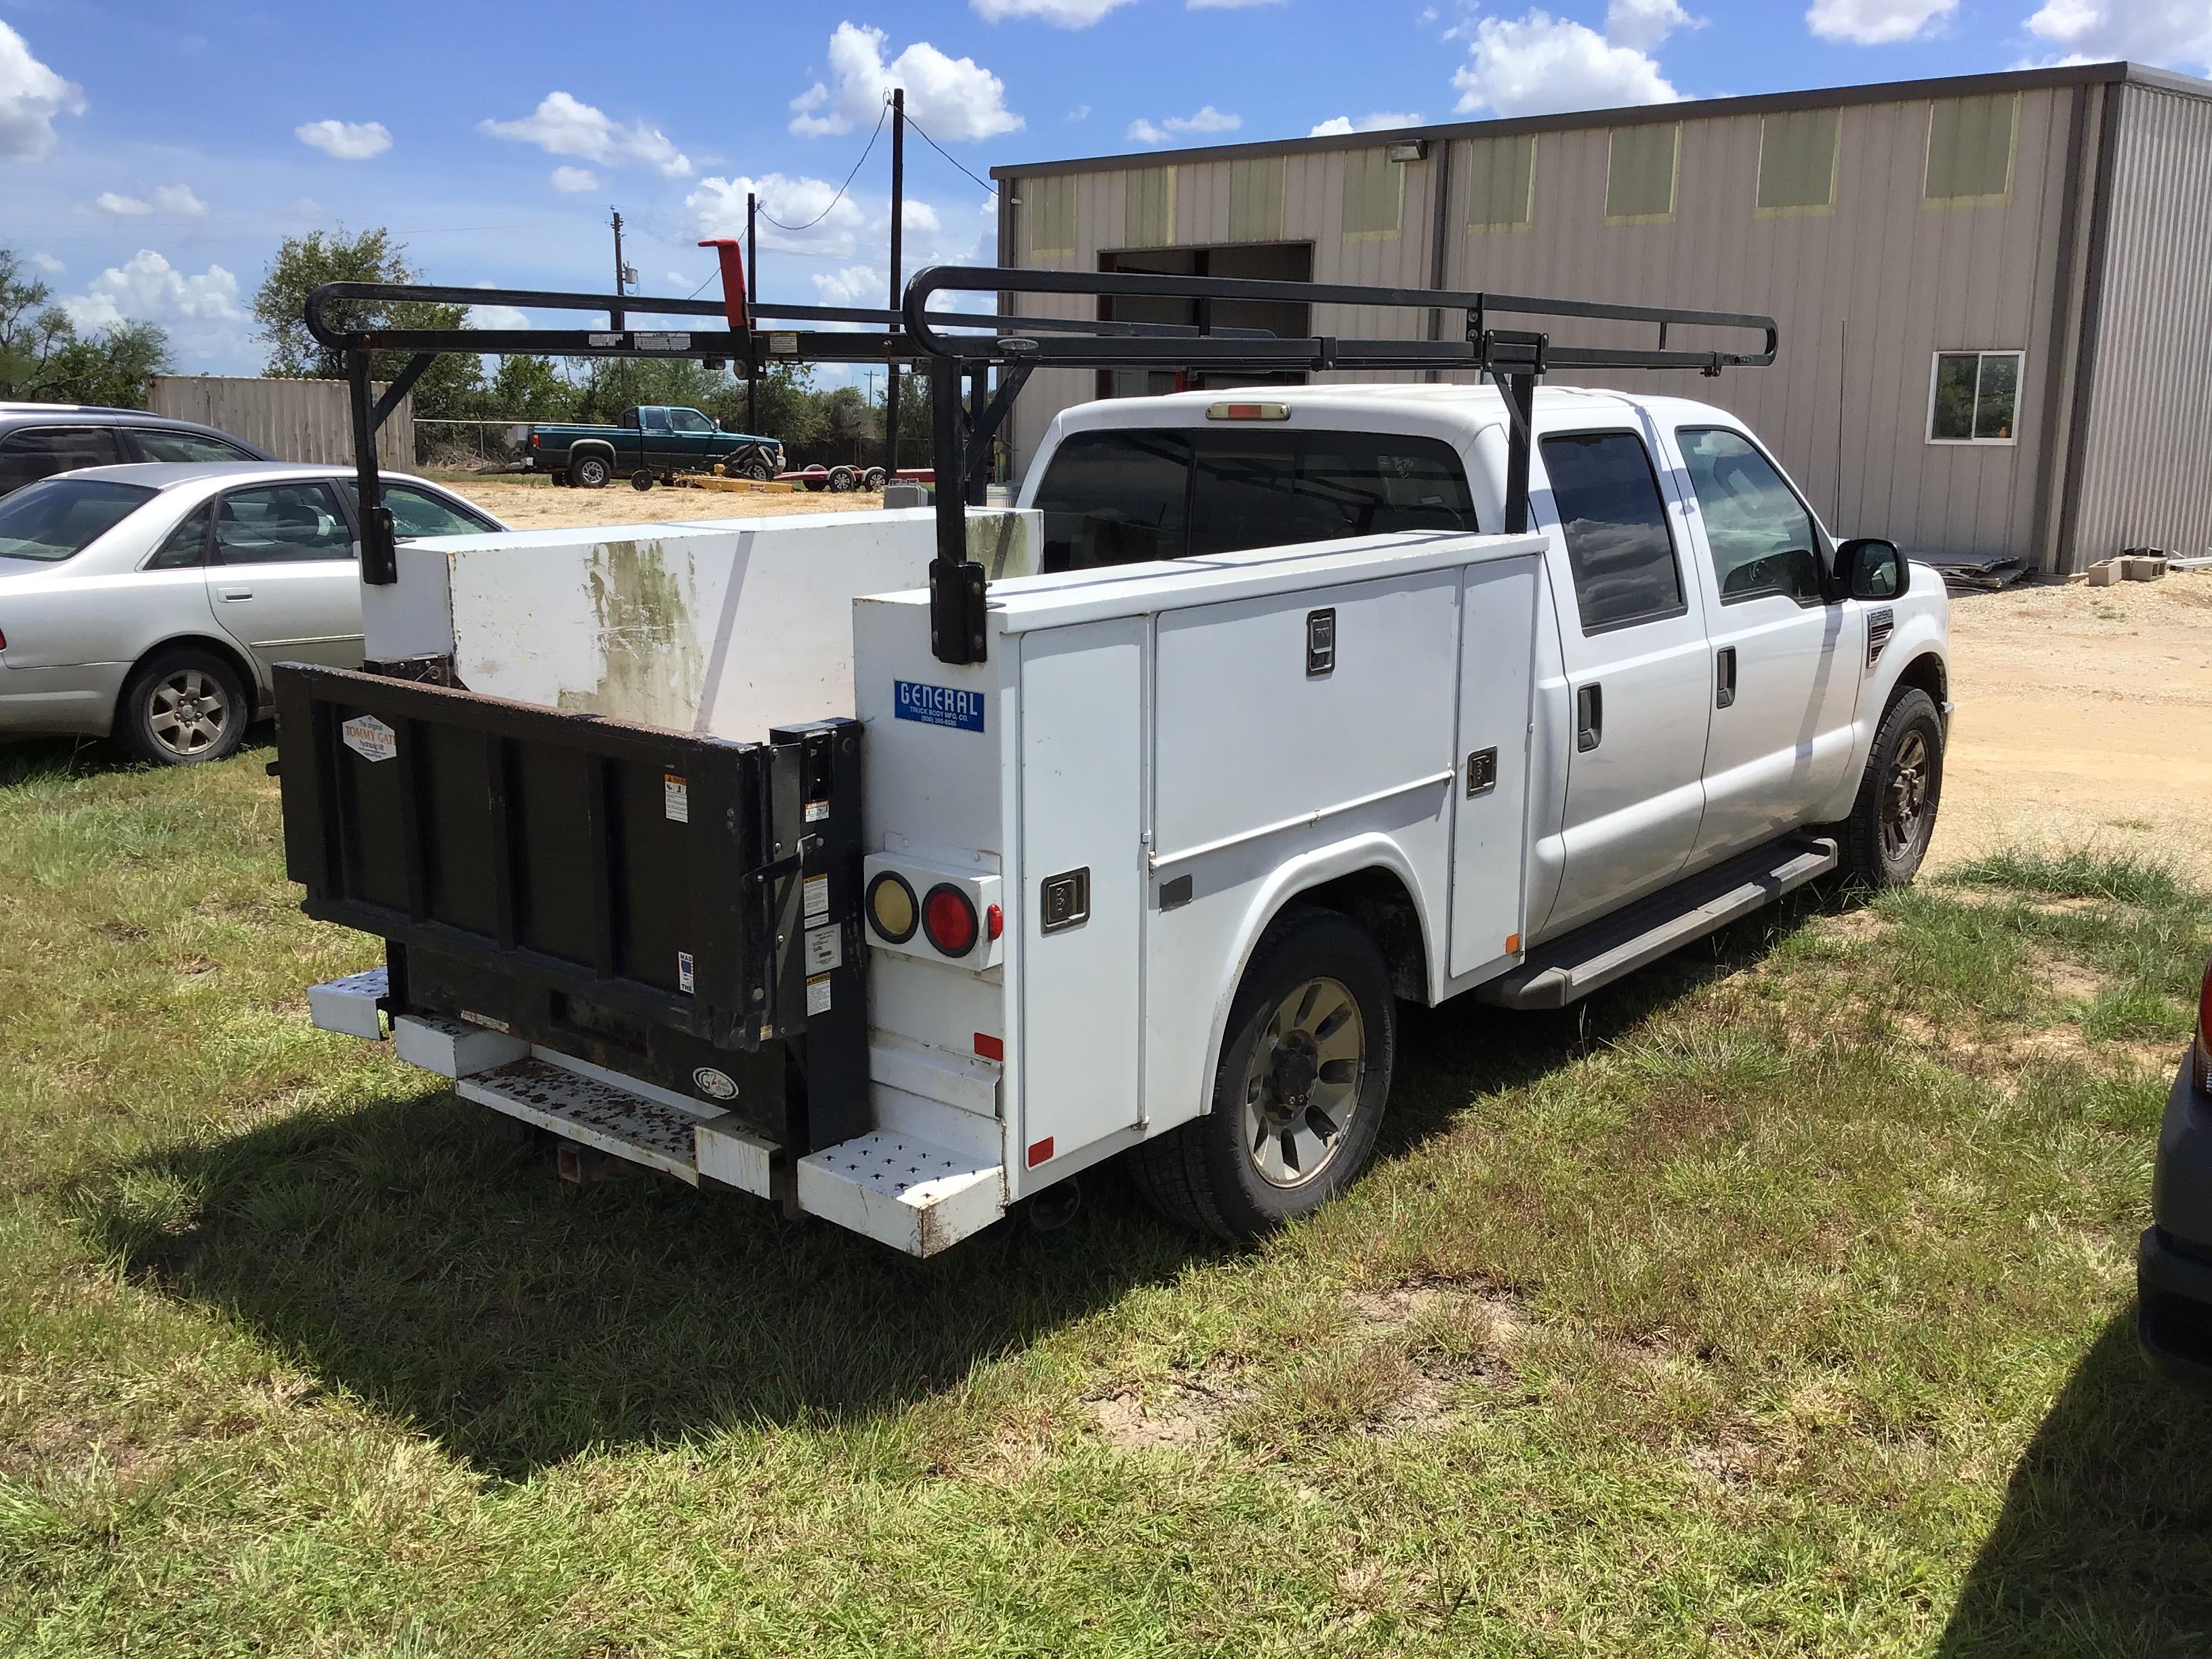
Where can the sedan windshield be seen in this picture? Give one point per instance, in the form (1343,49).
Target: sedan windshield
(57,518)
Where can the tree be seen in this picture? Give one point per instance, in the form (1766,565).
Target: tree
(305,262)
(44,359)
(529,389)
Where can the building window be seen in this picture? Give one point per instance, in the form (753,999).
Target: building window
(1797,163)
(1255,200)
(1150,209)
(1051,203)
(1970,146)
(1973,398)
(1374,196)
(1501,183)
(1642,165)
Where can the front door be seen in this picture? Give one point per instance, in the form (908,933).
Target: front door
(281,574)
(1633,641)
(1784,657)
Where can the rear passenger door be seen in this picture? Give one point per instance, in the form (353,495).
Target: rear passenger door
(1633,641)
(281,577)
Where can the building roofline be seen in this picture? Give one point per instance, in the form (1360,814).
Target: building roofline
(1698,109)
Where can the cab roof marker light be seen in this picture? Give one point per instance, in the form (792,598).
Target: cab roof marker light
(1247,411)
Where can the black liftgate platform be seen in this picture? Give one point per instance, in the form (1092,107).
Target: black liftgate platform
(534,860)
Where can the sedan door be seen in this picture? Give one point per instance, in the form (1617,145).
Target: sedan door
(1785,655)
(281,577)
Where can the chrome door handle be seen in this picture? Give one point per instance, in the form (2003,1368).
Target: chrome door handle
(235,592)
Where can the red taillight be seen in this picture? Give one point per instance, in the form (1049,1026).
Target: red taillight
(949,919)
(994,920)
(3,639)
(533,441)
(2204,1036)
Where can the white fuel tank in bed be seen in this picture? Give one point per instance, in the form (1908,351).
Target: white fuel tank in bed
(1199,740)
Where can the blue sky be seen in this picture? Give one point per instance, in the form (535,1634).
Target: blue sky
(152,155)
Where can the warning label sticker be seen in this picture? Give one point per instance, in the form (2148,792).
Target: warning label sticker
(675,799)
(370,737)
(818,994)
(817,899)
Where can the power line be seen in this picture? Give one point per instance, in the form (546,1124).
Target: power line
(947,153)
(841,189)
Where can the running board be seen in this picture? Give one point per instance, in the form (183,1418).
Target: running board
(684,1144)
(1575,964)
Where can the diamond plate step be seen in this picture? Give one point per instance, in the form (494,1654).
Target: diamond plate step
(595,1114)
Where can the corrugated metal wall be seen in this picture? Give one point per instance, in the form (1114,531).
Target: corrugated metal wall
(2147,475)
(1866,294)
(292,420)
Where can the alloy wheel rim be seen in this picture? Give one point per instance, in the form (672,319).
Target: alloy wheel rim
(188,712)
(1302,1082)
(1904,799)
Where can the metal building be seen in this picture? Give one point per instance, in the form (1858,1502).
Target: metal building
(1995,292)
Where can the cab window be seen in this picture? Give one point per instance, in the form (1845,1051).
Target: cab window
(1614,523)
(653,420)
(1761,537)
(1120,497)
(157,444)
(689,420)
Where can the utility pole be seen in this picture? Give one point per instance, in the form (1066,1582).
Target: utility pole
(752,298)
(898,216)
(616,320)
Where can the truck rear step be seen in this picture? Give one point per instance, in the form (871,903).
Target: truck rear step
(902,1190)
(1575,964)
(612,1120)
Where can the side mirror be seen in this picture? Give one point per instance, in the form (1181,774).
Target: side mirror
(1871,568)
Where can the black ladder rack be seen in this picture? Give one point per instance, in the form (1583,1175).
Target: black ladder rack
(957,345)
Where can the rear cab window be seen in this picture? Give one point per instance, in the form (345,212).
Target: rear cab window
(1620,548)
(158,444)
(1125,496)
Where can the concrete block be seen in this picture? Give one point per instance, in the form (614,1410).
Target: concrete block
(2144,569)
(2104,572)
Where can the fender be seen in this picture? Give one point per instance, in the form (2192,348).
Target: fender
(1370,850)
(1922,629)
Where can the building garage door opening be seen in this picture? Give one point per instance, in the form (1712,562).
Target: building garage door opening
(1267,261)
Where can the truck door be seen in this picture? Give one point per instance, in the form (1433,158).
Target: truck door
(1633,643)
(1785,655)
(691,441)
(657,445)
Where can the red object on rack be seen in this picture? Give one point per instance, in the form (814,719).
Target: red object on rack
(733,253)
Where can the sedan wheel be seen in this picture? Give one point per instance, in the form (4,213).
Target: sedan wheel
(182,707)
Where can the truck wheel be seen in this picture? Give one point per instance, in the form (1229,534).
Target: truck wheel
(591,471)
(1891,824)
(843,479)
(1298,1095)
(183,706)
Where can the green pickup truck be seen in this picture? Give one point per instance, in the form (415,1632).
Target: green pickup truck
(649,442)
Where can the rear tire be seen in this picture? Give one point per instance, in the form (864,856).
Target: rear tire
(872,478)
(591,471)
(1299,1092)
(843,479)
(182,707)
(1886,835)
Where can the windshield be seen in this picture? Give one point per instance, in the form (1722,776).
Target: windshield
(58,518)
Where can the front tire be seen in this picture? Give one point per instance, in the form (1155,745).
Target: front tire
(1886,835)
(183,707)
(591,471)
(1299,1091)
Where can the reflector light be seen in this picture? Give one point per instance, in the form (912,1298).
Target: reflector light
(995,922)
(2204,1036)
(1247,411)
(949,919)
(990,1048)
(891,907)
(1040,1151)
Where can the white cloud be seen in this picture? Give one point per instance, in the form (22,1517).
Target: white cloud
(1640,25)
(176,200)
(1080,113)
(121,207)
(201,312)
(2169,31)
(345,141)
(1875,23)
(1538,65)
(953,97)
(562,126)
(498,317)
(31,95)
(854,285)
(718,208)
(48,264)
(1064,14)
(1227,5)
(571,180)
(1208,119)
(918,219)
(1382,121)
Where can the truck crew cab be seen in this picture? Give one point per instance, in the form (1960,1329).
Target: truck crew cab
(1316,698)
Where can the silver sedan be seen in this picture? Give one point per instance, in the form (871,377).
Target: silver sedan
(149,603)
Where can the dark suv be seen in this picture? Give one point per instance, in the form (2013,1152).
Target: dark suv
(40,439)
(2174,1274)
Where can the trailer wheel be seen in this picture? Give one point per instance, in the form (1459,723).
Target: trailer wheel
(1887,833)
(1299,1092)
(842,479)
(872,478)
(756,468)
(591,471)
(640,480)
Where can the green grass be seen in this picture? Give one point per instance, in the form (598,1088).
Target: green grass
(1777,1301)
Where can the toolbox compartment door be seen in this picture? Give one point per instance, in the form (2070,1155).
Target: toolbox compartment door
(1490,793)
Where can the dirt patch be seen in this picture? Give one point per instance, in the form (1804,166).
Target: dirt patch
(2066,979)
(529,505)
(1183,1415)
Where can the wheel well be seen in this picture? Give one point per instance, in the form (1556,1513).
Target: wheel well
(592,446)
(1376,899)
(214,647)
(1927,672)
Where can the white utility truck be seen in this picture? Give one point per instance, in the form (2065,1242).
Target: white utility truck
(902,866)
